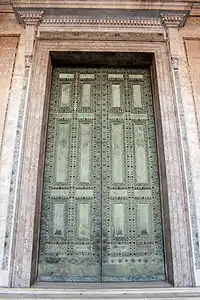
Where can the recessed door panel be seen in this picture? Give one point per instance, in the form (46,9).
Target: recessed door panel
(62,147)
(117,152)
(101,217)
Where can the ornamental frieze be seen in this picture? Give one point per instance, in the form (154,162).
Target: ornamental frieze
(101,18)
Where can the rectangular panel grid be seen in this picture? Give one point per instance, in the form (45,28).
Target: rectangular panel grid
(101,218)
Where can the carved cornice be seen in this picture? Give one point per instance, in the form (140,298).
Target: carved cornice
(29,17)
(77,20)
(5,6)
(195,9)
(168,19)
(173,19)
(107,4)
(5,2)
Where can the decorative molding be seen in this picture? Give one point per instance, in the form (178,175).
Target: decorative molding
(5,2)
(33,17)
(175,60)
(195,11)
(193,19)
(173,19)
(5,6)
(108,4)
(29,17)
(101,35)
(28,61)
(109,21)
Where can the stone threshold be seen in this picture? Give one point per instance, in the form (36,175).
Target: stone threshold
(141,292)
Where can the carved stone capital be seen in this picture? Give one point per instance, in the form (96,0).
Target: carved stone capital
(28,61)
(173,19)
(29,17)
(175,61)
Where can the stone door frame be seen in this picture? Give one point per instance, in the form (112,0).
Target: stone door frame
(175,207)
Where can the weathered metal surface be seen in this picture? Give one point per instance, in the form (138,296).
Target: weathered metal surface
(101,216)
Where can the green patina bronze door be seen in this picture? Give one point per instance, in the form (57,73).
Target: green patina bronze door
(101,218)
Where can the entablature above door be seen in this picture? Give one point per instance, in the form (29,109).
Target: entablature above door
(126,14)
(147,8)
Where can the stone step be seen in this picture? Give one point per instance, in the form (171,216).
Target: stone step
(145,293)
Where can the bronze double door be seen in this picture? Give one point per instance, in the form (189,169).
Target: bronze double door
(101,218)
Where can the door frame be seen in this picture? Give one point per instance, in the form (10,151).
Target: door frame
(179,261)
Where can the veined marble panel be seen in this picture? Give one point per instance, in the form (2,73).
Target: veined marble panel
(64,116)
(115,76)
(66,76)
(119,248)
(56,248)
(65,94)
(117,153)
(144,222)
(118,116)
(136,76)
(83,248)
(59,219)
(85,94)
(83,220)
(143,193)
(84,193)
(138,116)
(118,219)
(137,96)
(118,193)
(86,76)
(62,144)
(59,193)
(140,154)
(116,95)
(128,116)
(85,115)
(85,145)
